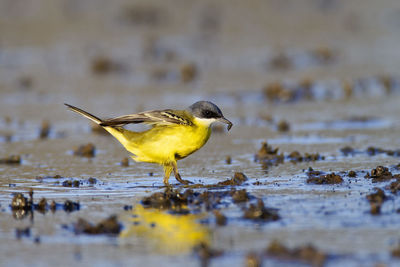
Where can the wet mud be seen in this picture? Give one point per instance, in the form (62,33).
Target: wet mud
(317,177)
(88,151)
(22,206)
(308,175)
(109,226)
(307,254)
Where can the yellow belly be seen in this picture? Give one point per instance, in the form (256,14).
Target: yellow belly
(163,144)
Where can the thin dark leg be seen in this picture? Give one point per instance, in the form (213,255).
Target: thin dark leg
(178,176)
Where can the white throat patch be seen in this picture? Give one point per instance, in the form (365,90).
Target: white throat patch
(205,122)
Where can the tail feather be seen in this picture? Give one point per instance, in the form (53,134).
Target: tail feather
(85,114)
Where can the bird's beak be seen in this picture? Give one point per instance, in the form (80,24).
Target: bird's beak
(223,120)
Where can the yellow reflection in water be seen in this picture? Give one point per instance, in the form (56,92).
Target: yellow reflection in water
(170,233)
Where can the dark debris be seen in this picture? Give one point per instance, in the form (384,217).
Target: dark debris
(381,174)
(376,200)
(269,156)
(109,226)
(206,253)
(238,179)
(22,207)
(258,212)
(220,218)
(125,162)
(13,159)
(317,177)
(307,254)
(88,150)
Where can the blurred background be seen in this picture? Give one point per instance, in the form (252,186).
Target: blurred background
(307,76)
(123,56)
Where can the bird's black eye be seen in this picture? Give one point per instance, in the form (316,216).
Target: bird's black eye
(208,114)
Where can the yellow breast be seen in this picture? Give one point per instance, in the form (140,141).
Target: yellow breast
(167,143)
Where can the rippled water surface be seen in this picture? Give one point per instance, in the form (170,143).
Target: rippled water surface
(313,77)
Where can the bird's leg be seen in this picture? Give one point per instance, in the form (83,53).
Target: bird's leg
(177,175)
(167,172)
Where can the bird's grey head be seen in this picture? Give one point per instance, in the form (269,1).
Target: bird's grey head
(208,110)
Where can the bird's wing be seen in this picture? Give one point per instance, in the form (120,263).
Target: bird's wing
(157,117)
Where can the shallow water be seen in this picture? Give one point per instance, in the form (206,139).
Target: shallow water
(52,63)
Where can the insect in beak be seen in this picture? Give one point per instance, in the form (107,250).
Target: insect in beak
(223,120)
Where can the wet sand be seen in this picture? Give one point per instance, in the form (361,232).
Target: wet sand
(306,76)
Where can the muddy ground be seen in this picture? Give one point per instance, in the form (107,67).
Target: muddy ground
(309,173)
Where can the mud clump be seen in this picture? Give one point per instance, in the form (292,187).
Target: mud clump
(44,129)
(22,206)
(253,260)
(395,187)
(19,202)
(189,201)
(22,232)
(372,151)
(125,162)
(323,55)
(238,179)
(352,174)
(347,151)
(12,160)
(188,72)
(240,196)
(109,226)
(40,179)
(179,203)
(295,156)
(268,155)
(396,252)
(104,65)
(307,89)
(306,254)
(316,177)
(169,199)
(377,197)
(381,174)
(70,206)
(42,206)
(258,212)
(279,92)
(276,92)
(281,62)
(206,253)
(220,219)
(92,180)
(88,151)
(376,200)
(283,126)
(71,183)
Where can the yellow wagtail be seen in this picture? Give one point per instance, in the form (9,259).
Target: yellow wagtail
(174,135)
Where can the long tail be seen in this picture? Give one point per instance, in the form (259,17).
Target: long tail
(122,135)
(85,114)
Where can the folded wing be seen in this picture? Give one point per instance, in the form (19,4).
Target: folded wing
(155,117)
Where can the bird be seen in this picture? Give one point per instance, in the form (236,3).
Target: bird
(173,134)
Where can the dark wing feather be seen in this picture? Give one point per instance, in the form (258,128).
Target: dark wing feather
(159,117)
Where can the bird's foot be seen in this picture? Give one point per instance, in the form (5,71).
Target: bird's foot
(179,179)
(166,183)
